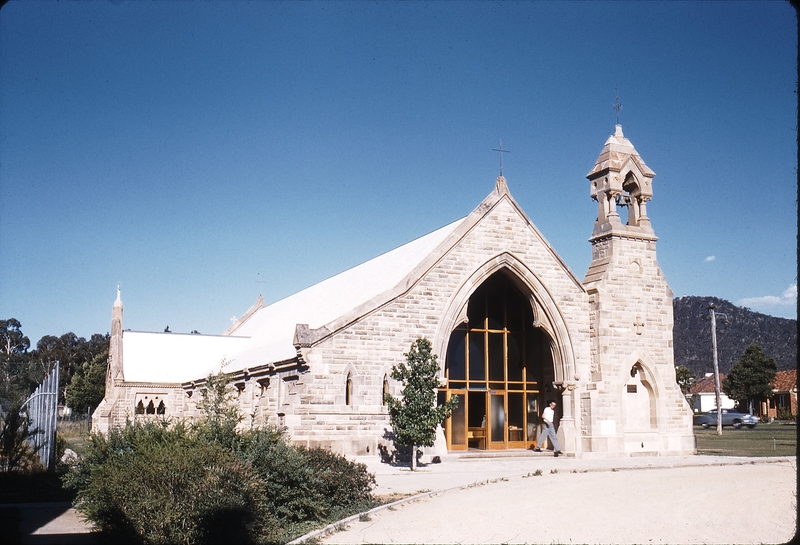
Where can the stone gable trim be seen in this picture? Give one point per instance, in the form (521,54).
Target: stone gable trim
(554,321)
(259,304)
(544,241)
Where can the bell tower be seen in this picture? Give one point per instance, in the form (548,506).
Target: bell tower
(624,267)
(631,320)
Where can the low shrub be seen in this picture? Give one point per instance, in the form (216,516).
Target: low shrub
(163,485)
(305,485)
(209,483)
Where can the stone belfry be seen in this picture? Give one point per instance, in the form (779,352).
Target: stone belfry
(621,178)
(624,270)
(631,318)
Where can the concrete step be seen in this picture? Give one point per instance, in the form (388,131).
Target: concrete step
(494,454)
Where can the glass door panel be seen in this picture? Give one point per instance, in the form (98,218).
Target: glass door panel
(457,423)
(514,364)
(532,420)
(456,367)
(497,413)
(516,420)
(476,420)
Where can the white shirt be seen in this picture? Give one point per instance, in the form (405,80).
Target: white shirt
(548,415)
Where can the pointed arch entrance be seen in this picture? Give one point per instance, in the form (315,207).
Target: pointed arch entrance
(497,363)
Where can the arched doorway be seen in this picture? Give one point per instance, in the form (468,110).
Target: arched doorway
(497,363)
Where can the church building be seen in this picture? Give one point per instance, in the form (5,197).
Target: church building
(512,326)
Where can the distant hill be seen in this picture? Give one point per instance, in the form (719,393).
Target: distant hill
(692,335)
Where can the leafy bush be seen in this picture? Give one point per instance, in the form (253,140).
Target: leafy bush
(343,484)
(305,485)
(209,483)
(164,485)
(16,454)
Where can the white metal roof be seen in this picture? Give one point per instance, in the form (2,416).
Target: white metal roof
(175,357)
(272,328)
(267,335)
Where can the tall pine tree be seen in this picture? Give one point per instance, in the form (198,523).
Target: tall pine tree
(416,416)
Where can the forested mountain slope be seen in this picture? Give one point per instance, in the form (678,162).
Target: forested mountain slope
(692,333)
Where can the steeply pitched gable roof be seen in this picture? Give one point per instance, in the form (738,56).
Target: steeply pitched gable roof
(266,334)
(272,327)
(339,300)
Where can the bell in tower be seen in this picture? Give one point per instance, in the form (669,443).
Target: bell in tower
(620,178)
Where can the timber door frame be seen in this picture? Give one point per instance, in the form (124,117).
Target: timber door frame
(497,351)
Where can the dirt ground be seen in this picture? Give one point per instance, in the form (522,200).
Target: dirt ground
(751,503)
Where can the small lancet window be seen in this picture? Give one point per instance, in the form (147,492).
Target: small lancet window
(151,409)
(348,393)
(161,409)
(385,390)
(140,407)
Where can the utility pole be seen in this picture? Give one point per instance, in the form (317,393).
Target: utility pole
(711,307)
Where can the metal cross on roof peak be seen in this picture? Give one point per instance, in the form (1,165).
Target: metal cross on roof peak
(501,151)
(261,284)
(617,105)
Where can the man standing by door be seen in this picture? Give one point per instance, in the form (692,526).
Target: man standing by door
(549,429)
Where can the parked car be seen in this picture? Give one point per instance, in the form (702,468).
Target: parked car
(730,417)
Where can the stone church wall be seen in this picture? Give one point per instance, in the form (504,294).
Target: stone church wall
(632,332)
(368,348)
(613,376)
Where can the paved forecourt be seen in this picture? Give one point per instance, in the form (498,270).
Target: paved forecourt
(541,499)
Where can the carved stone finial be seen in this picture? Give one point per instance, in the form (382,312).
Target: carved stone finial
(500,185)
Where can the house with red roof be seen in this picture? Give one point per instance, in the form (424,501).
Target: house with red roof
(784,397)
(704,397)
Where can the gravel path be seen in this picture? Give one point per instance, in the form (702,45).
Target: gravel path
(756,503)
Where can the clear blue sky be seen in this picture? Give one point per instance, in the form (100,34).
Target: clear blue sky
(184,148)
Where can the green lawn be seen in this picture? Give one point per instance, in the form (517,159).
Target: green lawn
(763,440)
(75,434)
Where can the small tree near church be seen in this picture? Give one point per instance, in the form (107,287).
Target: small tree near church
(415,416)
